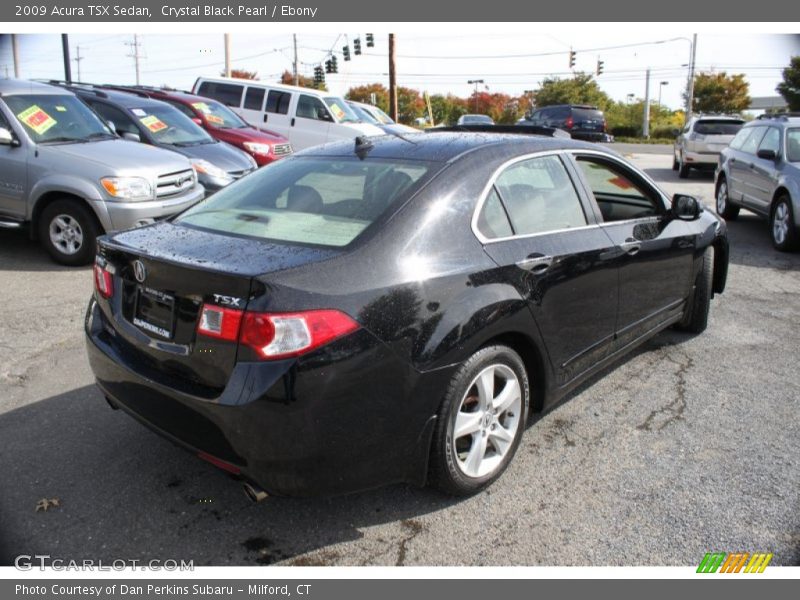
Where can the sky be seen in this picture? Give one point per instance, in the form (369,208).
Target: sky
(507,61)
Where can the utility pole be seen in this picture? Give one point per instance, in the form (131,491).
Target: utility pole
(690,86)
(476,82)
(227,55)
(646,123)
(294,63)
(78,58)
(392,80)
(135,44)
(65,51)
(15,50)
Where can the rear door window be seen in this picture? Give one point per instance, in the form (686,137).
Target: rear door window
(229,94)
(278,102)
(539,196)
(254,98)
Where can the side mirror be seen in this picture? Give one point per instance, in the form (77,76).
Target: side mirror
(686,208)
(197,121)
(133,137)
(324,115)
(676,132)
(767,154)
(7,138)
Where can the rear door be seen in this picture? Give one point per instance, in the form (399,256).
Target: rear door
(654,251)
(536,225)
(763,172)
(253,104)
(276,116)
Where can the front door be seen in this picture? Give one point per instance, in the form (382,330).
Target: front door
(13,176)
(311,123)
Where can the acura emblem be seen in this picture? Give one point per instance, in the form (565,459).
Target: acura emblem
(139,272)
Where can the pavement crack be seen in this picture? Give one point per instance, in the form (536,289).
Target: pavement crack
(673,411)
(413,529)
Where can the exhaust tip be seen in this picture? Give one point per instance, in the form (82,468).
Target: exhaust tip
(254,493)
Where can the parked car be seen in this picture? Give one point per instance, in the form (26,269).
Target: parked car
(385,311)
(581,121)
(475,120)
(68,177)
(375,116)
(305,116)
(760,171)
(221,123)
(138,118)
(703,137)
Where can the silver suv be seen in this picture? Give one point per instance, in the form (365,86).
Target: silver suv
(67,176)
(702,139)
(760,171)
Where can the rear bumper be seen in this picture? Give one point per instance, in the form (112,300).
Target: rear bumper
(348,417)
(705,159)
(592,136)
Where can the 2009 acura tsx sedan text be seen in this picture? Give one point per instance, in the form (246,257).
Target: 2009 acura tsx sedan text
(393,310)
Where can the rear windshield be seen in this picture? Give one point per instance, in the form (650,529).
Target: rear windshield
(793,145)
(309,200)
(584,114)
(718,127)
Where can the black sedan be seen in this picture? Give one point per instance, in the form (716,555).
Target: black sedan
(393,310)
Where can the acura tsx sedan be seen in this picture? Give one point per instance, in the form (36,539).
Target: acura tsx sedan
(394,309)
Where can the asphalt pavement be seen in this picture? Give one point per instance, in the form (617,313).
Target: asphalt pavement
(688,445)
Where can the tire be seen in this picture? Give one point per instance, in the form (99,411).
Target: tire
(695,319)
(675,163)
(725,208)
(68,230)
(781,225)
(683,169)
(462,465)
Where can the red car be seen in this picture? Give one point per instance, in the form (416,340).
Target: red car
(221,123)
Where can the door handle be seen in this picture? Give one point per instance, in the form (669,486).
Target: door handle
(752,165)
(631,247)
(266,116)
(536,265)
(292,121)
(732,160)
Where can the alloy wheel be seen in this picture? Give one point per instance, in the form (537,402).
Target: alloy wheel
(722,198)
(66,234)
(780,223)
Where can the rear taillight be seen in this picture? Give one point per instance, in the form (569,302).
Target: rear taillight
(275,335)
(569,123)
(103,282)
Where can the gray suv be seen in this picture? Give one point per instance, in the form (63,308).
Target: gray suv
(760,171)
(69,178)
(703,137)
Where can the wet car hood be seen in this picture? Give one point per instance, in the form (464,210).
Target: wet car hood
(220,154)
(203,249)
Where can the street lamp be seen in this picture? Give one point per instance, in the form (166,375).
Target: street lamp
(630,98)
(476,82)
(660,86)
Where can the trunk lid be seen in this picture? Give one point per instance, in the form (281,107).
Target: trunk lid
(164,274)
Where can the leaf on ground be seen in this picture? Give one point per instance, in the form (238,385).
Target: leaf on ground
(46,503)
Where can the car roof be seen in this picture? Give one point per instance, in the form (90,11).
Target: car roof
(266,84)
(14,87)
(719,118)
(126,99)
(446,146)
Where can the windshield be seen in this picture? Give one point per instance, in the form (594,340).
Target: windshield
(362,114)
(341,111)
(381,116)
(793,145)
(315,200)
(168,125)
(51,118)
(219,115)
(718,127)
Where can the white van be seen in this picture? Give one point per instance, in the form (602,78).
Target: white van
(307,117)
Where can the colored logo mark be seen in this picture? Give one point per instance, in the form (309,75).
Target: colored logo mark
(734,562)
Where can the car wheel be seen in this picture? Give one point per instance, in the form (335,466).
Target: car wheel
(675,162)
(480,422)
(68,231)
(695,319)
(784,233)
(683,168)
(725,209)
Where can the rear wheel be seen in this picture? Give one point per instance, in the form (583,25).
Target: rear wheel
(675,163)
(725,209)
(683,168)
(695,319)
(68,230)
(480,422)
(782,228)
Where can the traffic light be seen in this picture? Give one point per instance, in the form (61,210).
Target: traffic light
(334,65)
(319,76)
(600,65)
(357,46)
(572,59)
(370,40)
(328,66)
(346,52)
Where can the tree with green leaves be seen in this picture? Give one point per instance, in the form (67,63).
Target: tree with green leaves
(363,93)
(789,88)
(579,89)
(308,82)
(720,93)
